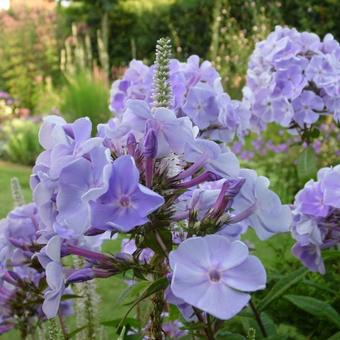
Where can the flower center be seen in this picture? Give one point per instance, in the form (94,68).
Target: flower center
(124,201)
(214,275)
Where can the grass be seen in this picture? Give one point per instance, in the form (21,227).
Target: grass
(7,171)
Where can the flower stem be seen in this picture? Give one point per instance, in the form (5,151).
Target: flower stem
(156,316)
(63,326)
(258,318)
(207,326)
(161,243)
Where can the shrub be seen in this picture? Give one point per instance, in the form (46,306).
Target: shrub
(85,95)
(28,51)
(21,143)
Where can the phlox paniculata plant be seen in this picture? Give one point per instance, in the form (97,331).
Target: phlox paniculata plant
(293,79)
(317,218)
(159,175)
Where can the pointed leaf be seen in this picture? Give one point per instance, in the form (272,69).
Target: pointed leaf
(335,336)
(153,288)
(281,287)
(114,323)
(315,307)
(76,331)
(307,164)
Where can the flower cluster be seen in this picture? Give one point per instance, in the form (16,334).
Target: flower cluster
(181,201)
(21,278)
(293,79)
(197,94)
(316,218)
(77,187)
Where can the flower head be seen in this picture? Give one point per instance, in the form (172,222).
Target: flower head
(127,203)
(217,281)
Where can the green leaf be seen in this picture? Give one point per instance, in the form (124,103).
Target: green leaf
(281,287)
(230,336)
(132,291)
(315,133)
(114,323)
(335,336)
(330,254)
(71,296)
(268,324)
(122,333)
(315,307)
(153,288)
(319,286)
(76,331)
(307,164)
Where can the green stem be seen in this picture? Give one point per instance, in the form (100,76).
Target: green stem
(207,329)
(258,318)
(63,326)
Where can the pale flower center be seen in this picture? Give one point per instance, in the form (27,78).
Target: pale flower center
(214,275)
(124,201)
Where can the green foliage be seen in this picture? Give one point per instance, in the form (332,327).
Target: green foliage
(28,52)
(315,307)
(317,16)
(307,164)
(21,142)
(83,95)
(7,171)
(234,35)
(135,26)
(281,287)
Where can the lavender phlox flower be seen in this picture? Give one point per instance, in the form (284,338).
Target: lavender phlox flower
(56,286)
(306,107)
(127,203)
(223,273)
(291,77)
(186,309)
(197,93)
(73,171)
(260,207)
(310,200)
(136,84)
(208,154)
(173,329)
(172,133)
(18,232)
(317,218)
(309,240)
(201,106)
(331,181)
(50,259)
(129,247)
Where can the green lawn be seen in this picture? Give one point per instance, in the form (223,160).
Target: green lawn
(7,171)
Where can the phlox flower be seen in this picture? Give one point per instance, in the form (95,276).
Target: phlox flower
(260,207)
(215,275)
(127,203)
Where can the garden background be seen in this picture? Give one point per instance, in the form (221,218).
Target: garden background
(61,57)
